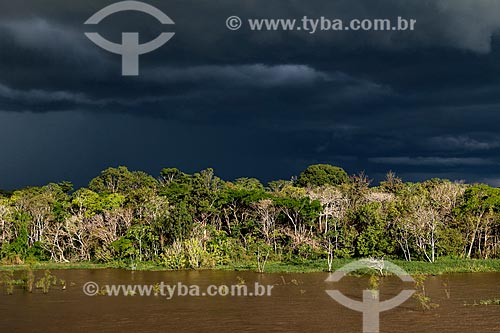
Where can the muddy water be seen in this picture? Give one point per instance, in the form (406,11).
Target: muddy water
(298,303)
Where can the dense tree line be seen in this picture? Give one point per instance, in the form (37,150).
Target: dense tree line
(182,220)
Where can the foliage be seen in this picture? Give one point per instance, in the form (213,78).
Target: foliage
(192,221)
(494,301)
(424,302)
(7,280)
(48,280)
(322,174)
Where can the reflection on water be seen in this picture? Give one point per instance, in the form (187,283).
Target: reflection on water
(298,303)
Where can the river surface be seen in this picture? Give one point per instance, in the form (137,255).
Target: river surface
(298,303)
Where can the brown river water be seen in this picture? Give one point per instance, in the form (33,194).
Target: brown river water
(298,303)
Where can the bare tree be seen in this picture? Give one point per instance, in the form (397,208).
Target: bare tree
(5,226)
(267,213)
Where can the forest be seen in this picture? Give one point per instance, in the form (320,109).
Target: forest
(180,220)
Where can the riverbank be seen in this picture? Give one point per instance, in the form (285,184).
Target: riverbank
(441,266)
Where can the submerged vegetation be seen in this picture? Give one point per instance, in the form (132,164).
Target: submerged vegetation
(320,219)
(424,302)
(491,301)
(27,281)
(494,301)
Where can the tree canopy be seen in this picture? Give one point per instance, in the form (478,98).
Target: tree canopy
(322,174)
(197,220)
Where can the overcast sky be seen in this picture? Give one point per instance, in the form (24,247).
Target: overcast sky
(251,104)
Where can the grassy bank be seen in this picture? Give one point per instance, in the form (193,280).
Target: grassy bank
(442,266)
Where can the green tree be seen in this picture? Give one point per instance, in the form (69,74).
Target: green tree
(121,180)
(479,211)
(322,174)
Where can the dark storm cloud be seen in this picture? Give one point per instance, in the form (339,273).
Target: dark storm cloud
(420,103)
